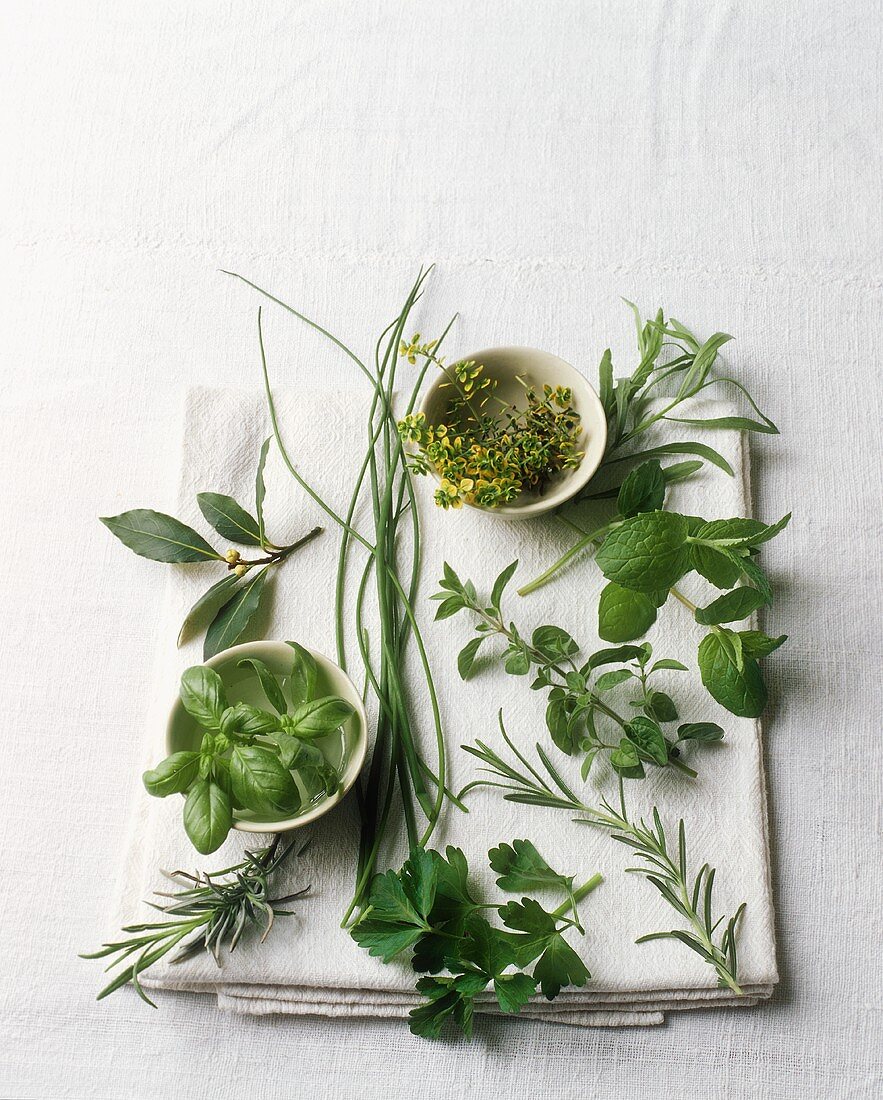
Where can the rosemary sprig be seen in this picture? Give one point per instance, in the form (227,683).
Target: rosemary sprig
(208,912)
(691,896)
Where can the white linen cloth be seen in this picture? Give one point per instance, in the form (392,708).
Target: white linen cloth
(308,964)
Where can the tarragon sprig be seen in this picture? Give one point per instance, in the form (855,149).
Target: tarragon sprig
(690,895)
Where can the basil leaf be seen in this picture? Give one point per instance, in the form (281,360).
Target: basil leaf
(203,696)
(260,491)
(649,739)
(261,783)
(247,720)
(223,589)
(208,816)
(700,731)
(304,673)
(624,614)
(172,775)
(757,644)
(269,683)
(730,607)
(647,552)
(740,690)
(235,615)
(643,489)
(319,716)
(466,657)
(229,519)
(159,537)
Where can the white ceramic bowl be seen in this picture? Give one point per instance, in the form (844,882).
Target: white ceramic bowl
(182,732)
(536,368)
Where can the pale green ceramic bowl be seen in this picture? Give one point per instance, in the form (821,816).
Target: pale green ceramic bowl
(351,741)
(536,368)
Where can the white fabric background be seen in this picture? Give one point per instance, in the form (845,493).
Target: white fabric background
(722,159)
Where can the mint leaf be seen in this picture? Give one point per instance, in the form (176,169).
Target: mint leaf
(643,490)
(720,566)
(646,553)
(740,690)
(730,607)
(757,644)
(624,614)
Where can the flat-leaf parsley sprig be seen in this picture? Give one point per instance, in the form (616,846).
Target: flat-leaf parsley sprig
(689,894)
(237,596)
(428,908)
(211,910)
(581,716)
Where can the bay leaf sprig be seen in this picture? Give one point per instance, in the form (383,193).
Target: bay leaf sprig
(581,714)
(428,908)
(248,758)
(236,597)
(209,911)
(667,869)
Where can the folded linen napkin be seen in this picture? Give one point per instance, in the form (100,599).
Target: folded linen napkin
(308,965)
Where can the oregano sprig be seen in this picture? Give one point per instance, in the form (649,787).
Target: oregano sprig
(580,715)
(237,596)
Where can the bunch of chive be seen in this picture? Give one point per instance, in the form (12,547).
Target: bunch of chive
(397,766)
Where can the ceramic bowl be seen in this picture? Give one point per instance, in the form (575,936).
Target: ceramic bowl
(535,368)
(182,733)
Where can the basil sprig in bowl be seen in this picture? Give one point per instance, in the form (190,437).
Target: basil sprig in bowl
(264,737)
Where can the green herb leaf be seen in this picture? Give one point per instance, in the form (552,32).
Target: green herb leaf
(159,537)
(203,696)
(625,760)
(649,740)
(208,816)
(643,490)
(319,717)
(233,618)
(222,590)
(647,552)
(624,614)
(260,491)
(553,642)
(558,964)
(261,783)
(700,731)
(500,584)
(740,690)
(172,775)
(730,607)
(304,674)
(466,657)
(521,867)
(718,565)
(609,680)
(667,662)
(229,519)
(757,644)
(614,656)
(269,683)
(661,707)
